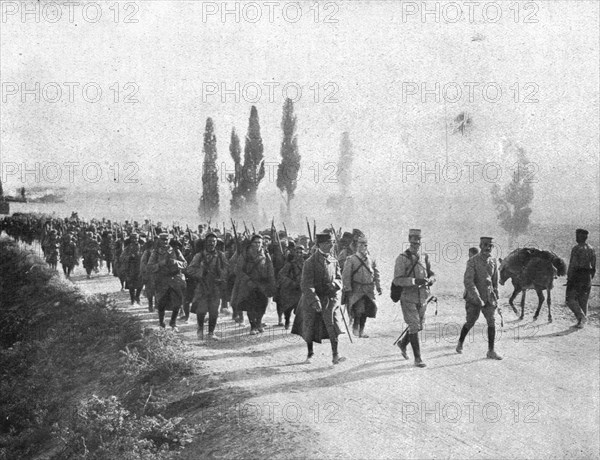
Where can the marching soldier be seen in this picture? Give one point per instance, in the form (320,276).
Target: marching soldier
(289,284)
(351,248)
(209,269)
(68,254)
(51,249)
(167,264)
(254,283)
(108,250)
(147,276)
(318,313)
(130,264)
(413,273)
(91,253)
(481,294)
(360,279)
(582,268)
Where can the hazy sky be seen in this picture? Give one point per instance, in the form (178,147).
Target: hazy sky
(370,60)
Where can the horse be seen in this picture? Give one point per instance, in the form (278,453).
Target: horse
(531,268)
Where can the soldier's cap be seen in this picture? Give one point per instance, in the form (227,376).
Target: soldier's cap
(291,244)
(347,236)
(300,247)
(164,236)
(210,234)
(356,233)
(135,236)
(486,240)
(582,232)
(323,238)
(362,239)
(414,232)
(256,236)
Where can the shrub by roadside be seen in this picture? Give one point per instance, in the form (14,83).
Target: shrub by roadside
(78,378)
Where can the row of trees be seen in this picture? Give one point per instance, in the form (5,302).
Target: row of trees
(248,174)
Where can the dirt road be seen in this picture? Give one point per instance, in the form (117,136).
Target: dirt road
(541,401)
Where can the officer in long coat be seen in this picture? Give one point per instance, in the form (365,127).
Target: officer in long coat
(360,278)
(582,268)
(413,272)
(318,314)
(481,294)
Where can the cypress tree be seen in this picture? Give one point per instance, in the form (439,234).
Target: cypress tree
(253,170)
(287,171)
(209,201)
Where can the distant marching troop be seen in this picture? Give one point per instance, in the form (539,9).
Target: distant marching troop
(203,271)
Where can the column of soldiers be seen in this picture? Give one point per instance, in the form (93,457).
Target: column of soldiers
(206,270)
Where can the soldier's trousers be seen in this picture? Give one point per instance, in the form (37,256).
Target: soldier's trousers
(474,310)
(170,298)
(208,304)
(413,313)
(577,298)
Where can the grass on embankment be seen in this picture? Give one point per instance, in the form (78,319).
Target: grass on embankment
(78,378)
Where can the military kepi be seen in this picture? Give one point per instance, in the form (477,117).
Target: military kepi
(486,240)
(414,232)
(323,238)
(582,231)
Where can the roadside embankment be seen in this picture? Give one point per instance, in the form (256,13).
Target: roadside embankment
(79,378)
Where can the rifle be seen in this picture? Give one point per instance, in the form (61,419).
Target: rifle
(285,230)
(275,236)
(245,228)
(237,241)
(309,234)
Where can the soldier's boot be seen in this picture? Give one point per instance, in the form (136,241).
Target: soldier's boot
(260,325)
(355,328)
(336,356)
(414,341)
(403,344)
(581,322)
(132,296)
(253,325)
(491,354)
(280,319)
(361,332)
(150,304)
(310,351)
(212,324)
(461,340)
